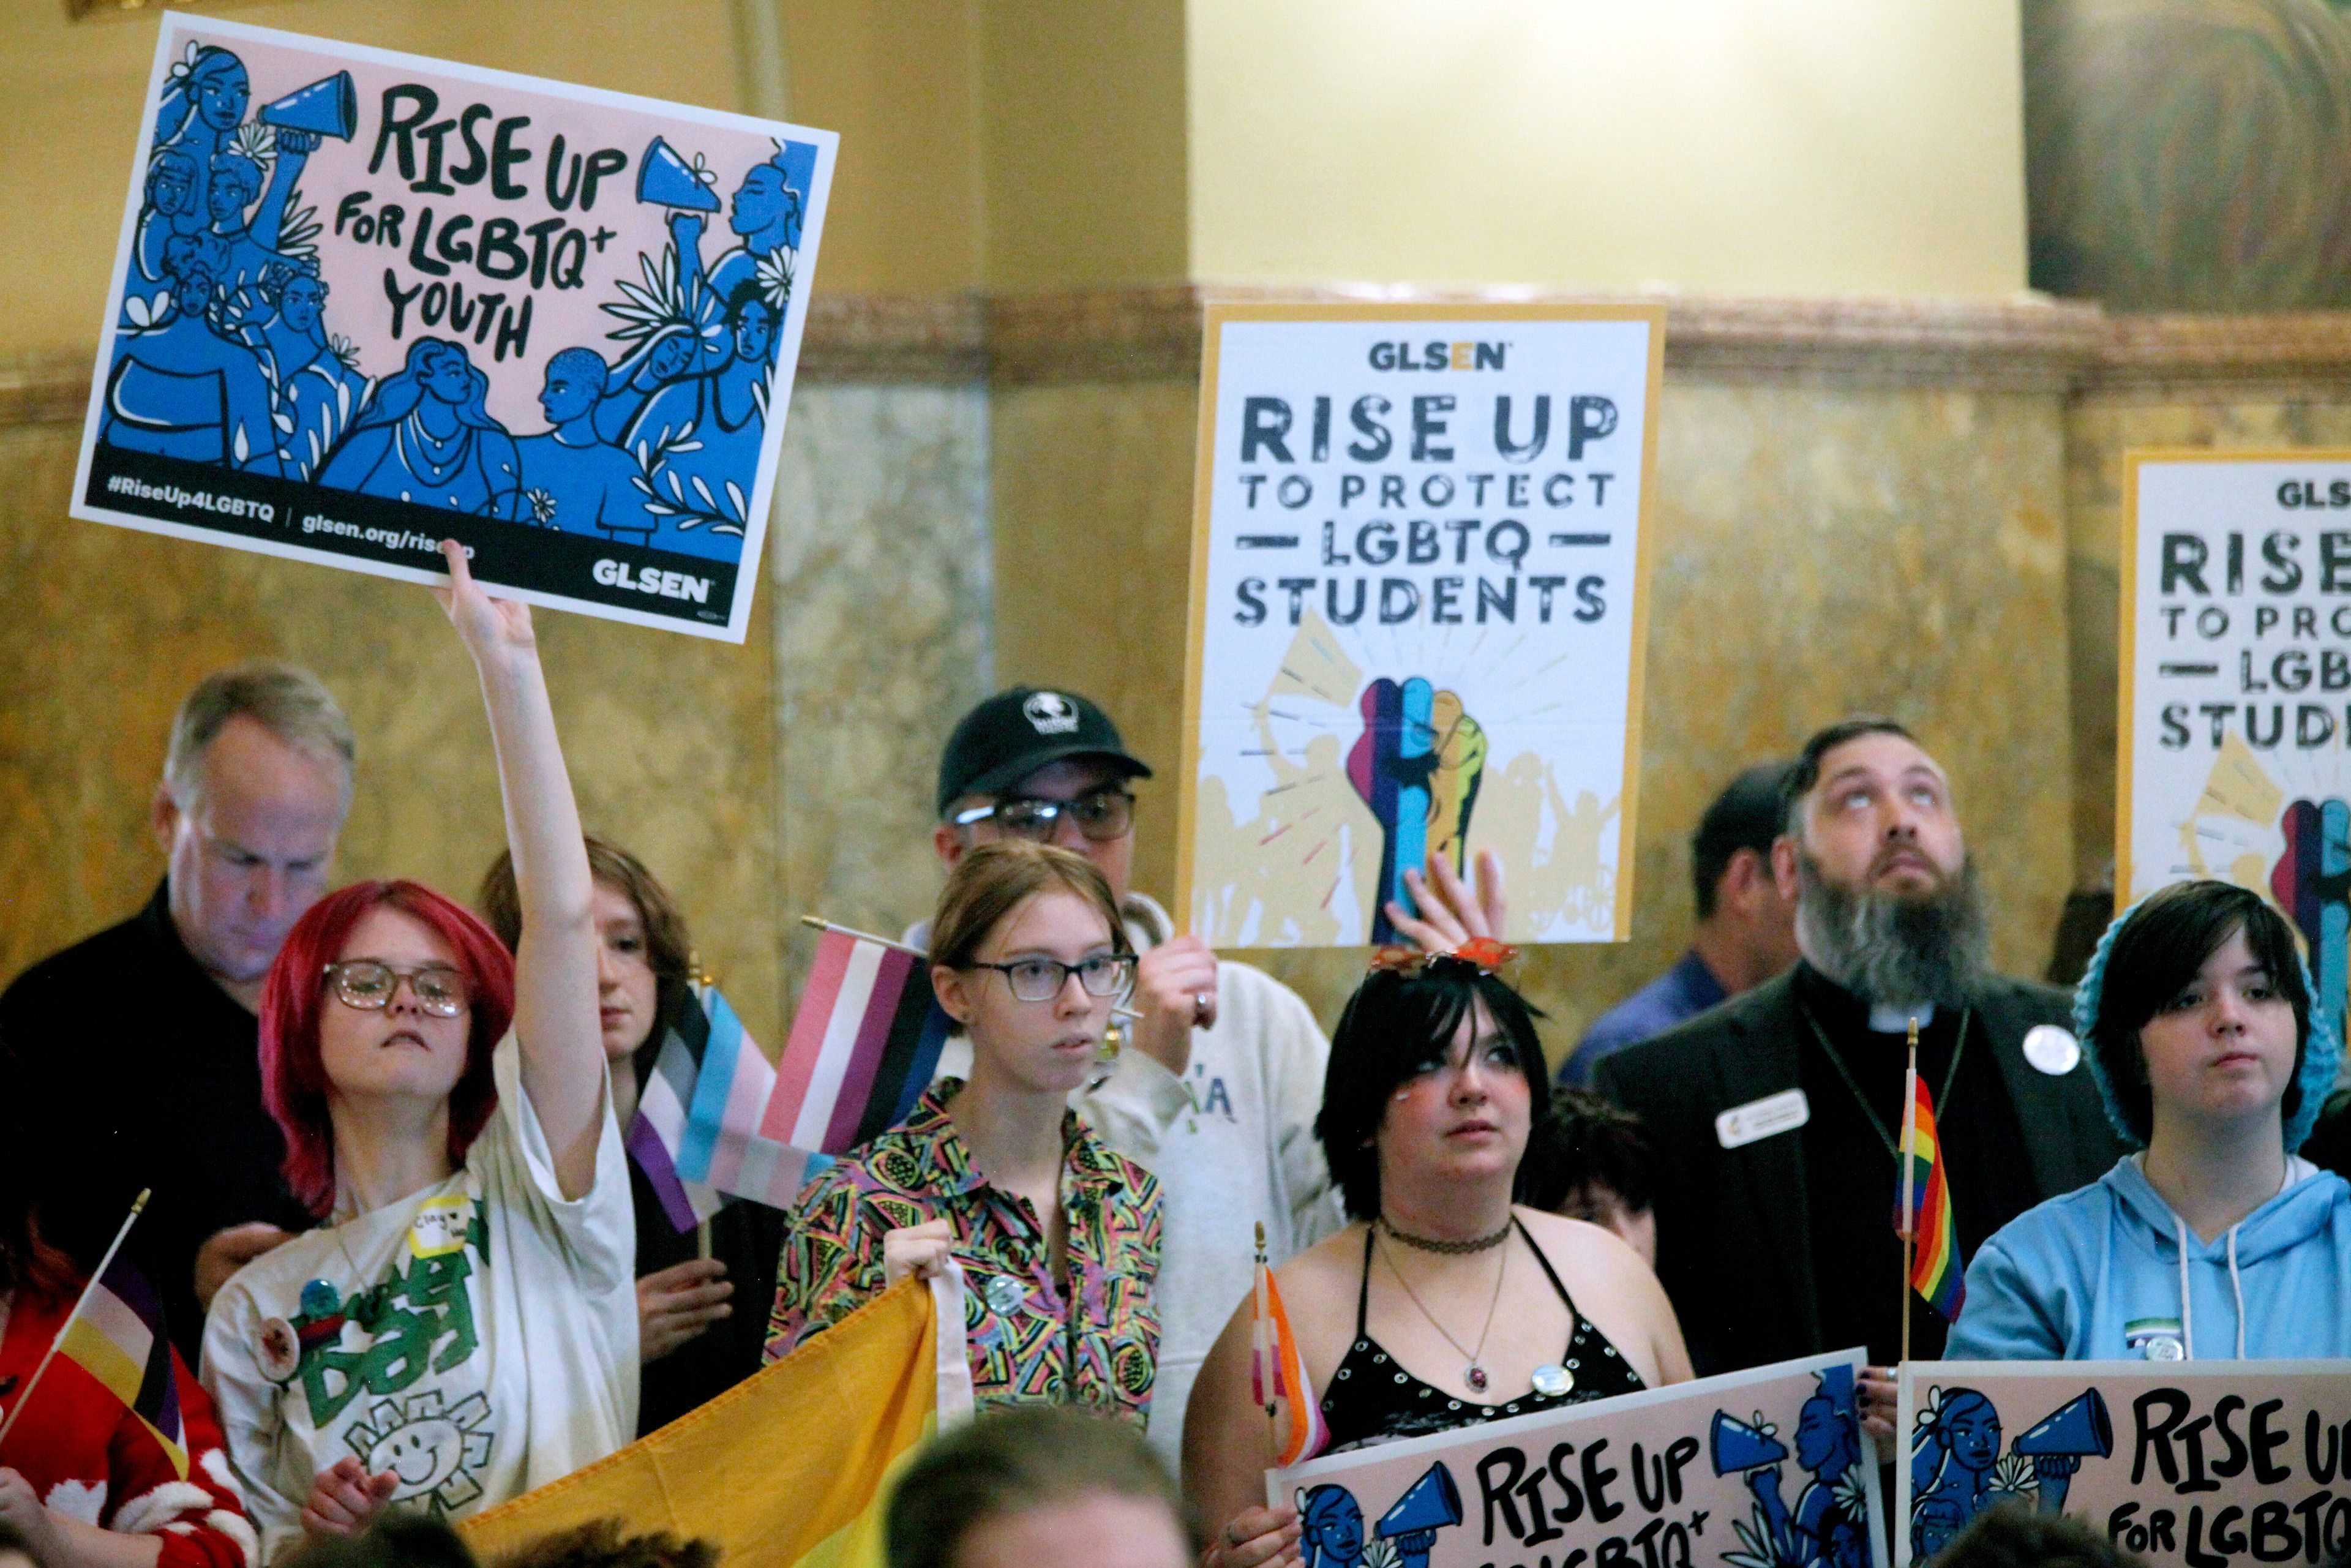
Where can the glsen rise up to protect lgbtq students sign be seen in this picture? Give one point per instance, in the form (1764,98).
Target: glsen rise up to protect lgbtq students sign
(2235,722)
(1418,601)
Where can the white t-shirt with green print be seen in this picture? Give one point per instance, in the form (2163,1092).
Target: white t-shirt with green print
(476,1339)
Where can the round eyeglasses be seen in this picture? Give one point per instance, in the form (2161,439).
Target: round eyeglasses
(369,984)
(1042,979)
(1101,815)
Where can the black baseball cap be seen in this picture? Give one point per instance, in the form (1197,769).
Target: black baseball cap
(1016,732)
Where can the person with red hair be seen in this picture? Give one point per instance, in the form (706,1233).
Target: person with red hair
(84,1481)
(464,1327)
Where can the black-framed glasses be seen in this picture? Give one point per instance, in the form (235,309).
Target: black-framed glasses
(1042,979)
(369,984)
(1101,815)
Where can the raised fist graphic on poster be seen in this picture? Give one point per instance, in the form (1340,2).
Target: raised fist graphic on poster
(2312,883)
(1416,765)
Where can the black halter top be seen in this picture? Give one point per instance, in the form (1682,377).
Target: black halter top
(1371,1399)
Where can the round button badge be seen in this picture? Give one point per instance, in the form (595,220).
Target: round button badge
(2052,1049)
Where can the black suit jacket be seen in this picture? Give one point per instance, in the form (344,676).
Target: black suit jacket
(1734,1248)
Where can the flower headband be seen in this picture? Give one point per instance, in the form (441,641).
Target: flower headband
(1484,954)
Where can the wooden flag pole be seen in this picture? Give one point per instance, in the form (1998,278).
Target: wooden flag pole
(83,1301)
(820,924)
(1909,1210)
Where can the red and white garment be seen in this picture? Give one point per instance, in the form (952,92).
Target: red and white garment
(88,1457)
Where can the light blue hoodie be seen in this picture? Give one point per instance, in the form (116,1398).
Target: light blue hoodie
(2109,1272)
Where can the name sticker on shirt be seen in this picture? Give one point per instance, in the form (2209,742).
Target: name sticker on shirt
(439,1228)
(1782,1112)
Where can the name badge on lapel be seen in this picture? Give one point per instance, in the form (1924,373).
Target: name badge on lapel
(1774,1113)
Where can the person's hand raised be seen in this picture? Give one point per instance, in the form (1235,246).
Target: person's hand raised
(493,629)
(1451,911)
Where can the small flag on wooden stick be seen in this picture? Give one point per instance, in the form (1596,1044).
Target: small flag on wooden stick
(1922,1212)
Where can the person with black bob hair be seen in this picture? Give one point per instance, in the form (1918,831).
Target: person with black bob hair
(2215,1238)
(1445,1303)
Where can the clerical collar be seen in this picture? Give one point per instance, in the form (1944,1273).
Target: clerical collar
(1897,1021)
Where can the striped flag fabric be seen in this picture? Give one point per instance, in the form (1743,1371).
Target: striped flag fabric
(1276,1372)
(863,1048)
(1922,1206)
(116,1334)
(699,1112)
(826,1430)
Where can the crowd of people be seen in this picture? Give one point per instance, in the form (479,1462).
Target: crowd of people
(409,1260)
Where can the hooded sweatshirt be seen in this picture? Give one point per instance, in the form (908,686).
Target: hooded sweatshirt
(2109,1272)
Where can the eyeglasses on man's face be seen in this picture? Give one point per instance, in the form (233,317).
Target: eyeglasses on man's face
(1101,815)
(369,984)
(1042,979)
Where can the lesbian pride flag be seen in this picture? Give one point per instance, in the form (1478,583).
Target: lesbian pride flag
(863,1047)
(1277,1372)
(1922,1206)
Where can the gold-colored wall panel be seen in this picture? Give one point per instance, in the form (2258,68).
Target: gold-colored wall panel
(670,740)
(1823,550)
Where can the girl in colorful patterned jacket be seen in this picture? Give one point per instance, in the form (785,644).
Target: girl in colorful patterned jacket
(1058,1236)
(84,1480)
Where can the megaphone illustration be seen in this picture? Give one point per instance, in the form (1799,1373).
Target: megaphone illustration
(2078,1428)
(2059,1441)
(1430,1504)
(1736,1446)
(666,180)
(327,107)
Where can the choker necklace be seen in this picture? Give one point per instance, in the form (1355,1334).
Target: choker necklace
(1450,1249)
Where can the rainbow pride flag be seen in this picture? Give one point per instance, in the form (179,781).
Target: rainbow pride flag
(1922,1206)
(863,1048)
(116,1335)
(825,1431)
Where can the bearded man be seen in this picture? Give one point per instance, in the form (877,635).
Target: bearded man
(1774,1117)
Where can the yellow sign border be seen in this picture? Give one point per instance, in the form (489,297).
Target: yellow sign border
(1203,492)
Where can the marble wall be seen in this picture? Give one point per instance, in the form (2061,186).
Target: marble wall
(879,567)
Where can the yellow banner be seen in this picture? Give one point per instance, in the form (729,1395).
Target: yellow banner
(790,1467)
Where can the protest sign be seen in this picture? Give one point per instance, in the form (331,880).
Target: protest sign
(1673,1478)
(2235,725)
(1418,615)
(2202,1464)
(364,301)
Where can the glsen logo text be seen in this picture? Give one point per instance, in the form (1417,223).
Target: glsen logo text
(645,580)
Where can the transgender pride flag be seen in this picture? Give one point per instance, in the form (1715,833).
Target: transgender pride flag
(863,1048)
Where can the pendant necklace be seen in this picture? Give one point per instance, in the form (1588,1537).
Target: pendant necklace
(1474,1374)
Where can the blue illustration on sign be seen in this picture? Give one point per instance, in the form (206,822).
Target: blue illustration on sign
(225,353)
(1957,1469)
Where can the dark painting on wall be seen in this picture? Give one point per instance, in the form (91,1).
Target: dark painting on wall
(2190,154)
